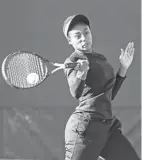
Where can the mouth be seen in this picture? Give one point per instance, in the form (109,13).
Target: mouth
(85,45)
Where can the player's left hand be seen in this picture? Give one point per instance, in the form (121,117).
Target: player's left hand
(127,55)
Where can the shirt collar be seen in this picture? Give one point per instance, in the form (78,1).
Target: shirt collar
(101,56)
(83,53)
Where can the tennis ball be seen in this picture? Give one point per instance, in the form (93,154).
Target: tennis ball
(32,78)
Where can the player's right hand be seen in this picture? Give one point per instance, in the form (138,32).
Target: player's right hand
(83,65)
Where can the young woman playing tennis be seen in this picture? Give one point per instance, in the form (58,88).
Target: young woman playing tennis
(92,130)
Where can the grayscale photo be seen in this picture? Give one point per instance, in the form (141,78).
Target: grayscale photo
(70,84)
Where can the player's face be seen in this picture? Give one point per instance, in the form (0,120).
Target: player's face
(80,37)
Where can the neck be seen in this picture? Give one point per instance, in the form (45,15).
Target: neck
(84,52)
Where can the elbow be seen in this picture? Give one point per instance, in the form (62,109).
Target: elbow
(76,90)
(113,95)
(112,98)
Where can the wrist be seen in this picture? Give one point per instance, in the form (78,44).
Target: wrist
(122,71)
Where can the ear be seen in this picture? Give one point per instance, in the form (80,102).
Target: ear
(69,41)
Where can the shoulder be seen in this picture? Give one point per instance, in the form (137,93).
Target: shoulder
(100,55)
(73,58)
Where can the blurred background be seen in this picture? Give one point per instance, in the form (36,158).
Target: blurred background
(32,121)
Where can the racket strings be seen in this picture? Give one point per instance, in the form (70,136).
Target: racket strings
(21,65)
(17,69)
(38,66)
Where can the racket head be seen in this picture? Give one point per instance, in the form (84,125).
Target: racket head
(23,69)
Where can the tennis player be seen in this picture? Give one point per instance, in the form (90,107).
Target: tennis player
(92,130)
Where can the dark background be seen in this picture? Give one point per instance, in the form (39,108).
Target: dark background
(36,25)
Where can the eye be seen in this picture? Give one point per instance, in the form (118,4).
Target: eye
(77,36)
(86,32)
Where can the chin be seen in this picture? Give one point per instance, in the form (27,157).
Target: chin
(86,49)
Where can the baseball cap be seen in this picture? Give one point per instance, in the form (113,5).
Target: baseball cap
(73,20)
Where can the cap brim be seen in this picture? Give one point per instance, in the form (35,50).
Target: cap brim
(78,19)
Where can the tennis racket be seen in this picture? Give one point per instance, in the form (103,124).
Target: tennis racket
(23,69)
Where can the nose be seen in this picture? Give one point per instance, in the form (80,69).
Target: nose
(83,37)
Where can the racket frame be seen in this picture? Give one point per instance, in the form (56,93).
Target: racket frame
(45,61)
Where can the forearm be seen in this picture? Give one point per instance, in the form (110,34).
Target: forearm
(76,83)
(120,77)
(76,88)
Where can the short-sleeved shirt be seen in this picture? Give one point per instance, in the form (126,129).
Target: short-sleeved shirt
(100,87)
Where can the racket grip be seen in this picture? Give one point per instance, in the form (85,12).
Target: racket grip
(70,65)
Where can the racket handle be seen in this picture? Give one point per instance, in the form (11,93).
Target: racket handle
(70,65)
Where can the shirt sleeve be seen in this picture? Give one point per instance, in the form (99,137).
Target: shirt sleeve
(118,82)
(76,85)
